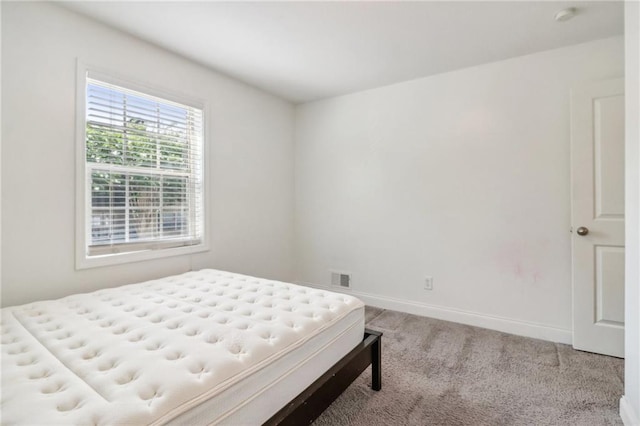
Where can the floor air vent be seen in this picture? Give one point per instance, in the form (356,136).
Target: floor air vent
(340,279)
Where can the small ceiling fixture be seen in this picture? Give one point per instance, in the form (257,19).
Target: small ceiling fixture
(565,14)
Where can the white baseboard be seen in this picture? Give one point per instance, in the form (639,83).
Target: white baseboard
(629,418)
(506,325)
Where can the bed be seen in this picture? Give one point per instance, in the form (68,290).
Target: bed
(204,347)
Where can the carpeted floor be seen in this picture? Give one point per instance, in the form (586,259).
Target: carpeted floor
(442,373)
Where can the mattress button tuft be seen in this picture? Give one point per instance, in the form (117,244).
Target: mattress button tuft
(64,336)
(17,351)
(40,375)
(52,388)
(212,339)
(137,338)
(149,395)
(26,362)
(77,345)
(72,405)
(192,332)
(154,346)
(107,366)
(89,355)
(174,356)
(198,370)
(126,379)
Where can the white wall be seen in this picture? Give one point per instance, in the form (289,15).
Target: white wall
(630,404)
(250,144)
(462,176)
(0,158)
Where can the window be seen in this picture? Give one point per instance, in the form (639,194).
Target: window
(143,174)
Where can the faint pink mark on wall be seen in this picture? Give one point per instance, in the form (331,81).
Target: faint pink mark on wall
(522,260)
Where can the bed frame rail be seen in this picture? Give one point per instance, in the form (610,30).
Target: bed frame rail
(307,406)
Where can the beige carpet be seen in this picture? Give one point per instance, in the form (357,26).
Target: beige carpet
(442,373)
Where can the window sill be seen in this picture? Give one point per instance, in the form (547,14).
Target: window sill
(85,262)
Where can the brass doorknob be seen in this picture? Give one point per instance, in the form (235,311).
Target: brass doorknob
(582,231)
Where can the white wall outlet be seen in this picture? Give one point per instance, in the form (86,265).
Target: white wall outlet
(428,283)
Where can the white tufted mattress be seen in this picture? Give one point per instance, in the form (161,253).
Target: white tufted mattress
(184,349)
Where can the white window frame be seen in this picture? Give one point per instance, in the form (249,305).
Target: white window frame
(83,196)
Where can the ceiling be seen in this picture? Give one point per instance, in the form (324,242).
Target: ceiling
(303,51)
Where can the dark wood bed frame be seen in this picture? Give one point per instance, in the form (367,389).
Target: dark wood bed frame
(307,406)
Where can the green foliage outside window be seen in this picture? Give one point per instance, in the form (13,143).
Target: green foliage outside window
(150,202)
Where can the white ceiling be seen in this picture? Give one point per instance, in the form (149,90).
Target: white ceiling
(304,51)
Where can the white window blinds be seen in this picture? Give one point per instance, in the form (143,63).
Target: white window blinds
(143,171)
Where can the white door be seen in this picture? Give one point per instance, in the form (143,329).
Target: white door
(597,204)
